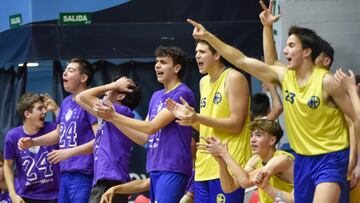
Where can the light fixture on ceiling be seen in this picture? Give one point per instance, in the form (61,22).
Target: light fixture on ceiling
(29,64)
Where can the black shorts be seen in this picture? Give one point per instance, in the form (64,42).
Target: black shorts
(101,187)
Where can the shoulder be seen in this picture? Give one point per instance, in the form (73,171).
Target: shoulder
(235,75)
(14,132)
(124,110)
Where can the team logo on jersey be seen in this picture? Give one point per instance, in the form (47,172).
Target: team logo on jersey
(220,198)
(314,102)
(217,98)
(68,114)
(160,106)
(34,150)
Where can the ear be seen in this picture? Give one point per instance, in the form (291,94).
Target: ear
(120,97)
(307,52)
(327,61)
(27,114)
(177,68)
(272,140)
(217,56)
(84,78)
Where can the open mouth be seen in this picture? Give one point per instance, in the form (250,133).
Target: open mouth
(159,73)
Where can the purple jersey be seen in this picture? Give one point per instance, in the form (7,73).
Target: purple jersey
(170,147)
(36,177)
(5,197)
(112,151)
(75,129)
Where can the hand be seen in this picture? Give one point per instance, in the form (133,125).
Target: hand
(199,32)
(16,199)
(345,81)
(266,16)
(124,84)
(59,155)
(104,110)
(108,195)
(261,178)
(25,143)
(213,146)
(355,177)
(184,112)
(49,103)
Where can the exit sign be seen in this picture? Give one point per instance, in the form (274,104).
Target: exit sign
(15,20)
(75,18)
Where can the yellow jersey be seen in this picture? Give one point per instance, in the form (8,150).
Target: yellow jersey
(214,103)
(312,126)
(275,181)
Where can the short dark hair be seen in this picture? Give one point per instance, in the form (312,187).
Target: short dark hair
(132,99)
(26,103)
(177,55)
(260,105)
(85,68)
(269,126)
(212,49)
(309,39)
(328,50)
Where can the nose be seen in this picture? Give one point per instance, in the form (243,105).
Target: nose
(65,72)
(197,55)
(157,65)
(285,51)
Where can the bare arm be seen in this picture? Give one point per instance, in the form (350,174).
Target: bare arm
(254,67)
(343,101)
(276,108)
(9,179)
(238,94)
(50,138)
(163,118)
(240,177)
(267,19)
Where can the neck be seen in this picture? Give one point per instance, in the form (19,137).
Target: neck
(30,129)
(172,84)
(215,71)
(78,90)
(305,70)
(265,157)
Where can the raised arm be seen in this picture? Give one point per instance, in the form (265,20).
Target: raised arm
(254,67)
(276,107)
(267,19)
(88,98)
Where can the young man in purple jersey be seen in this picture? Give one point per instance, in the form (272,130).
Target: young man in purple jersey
(169,154)
(76,127)
(37,178)
(112,149)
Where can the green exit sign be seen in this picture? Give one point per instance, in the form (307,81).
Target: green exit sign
(75,18)
(15,20)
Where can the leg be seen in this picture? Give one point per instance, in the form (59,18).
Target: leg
(327,192)
(171,187)
(201,191)
(63,192)
(79,187)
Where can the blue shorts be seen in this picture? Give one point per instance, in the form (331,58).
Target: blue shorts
(74,187)
(167,187)
(309,171)
(211,192)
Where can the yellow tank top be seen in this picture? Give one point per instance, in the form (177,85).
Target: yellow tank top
(275,181)
(313,127)
(214,103)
